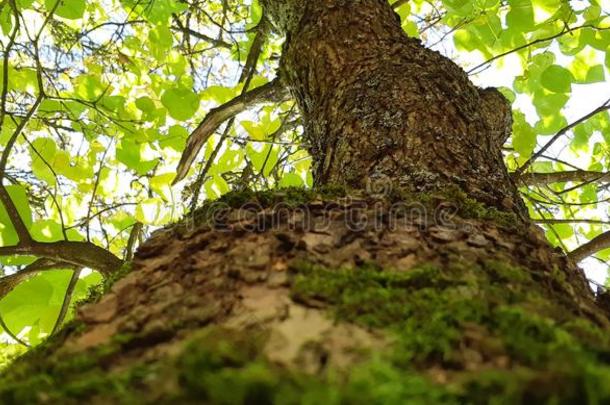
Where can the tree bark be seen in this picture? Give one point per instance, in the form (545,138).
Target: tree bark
(433,287)
(378,105)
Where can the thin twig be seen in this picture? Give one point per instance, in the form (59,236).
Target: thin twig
(11,334)
(604,107)
(67,300)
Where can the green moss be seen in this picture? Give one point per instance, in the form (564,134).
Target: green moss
(250,199)
(217,365)
(96,292)
(9,352)
(51,374)
(503,272)
(467,208)
(431,310)
(293,196)
(116,276)
(221,366)
(425,307)
(470,208)
(531,349)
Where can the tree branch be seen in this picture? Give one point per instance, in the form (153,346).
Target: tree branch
(590,248)
(66,302)
(8,283)
(399,3)
(133,238)
(574,176)
(273,91)
(262,30)
(245,78)
(570,221)
(79,254)
(13,214)
(216,42)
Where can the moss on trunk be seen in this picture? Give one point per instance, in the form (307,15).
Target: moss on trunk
(476,322)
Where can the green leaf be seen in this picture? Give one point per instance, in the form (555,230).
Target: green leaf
(257,133)
(581,138)
(88,87)
(47,230)
(230,160)
(149,212)
(160,41)
(181,103)
(35,302)
(42,154)
(113,103)
(219,94)
(260,131)
(596,38)
(264,160)
(557,79)
(551,124)
(488,28)
(565,231)
(23,4)
(145,104)
(175,139)
(524,136)
(70,9)
(161,185)
(521,15)
(17,260)
(585,68)
(571,44)
(159,11)
(216,187)
(84,285)
(595,74)
(6,20)
(588,193)
(130,154)
(549,104)
(592,12)
(255,15)
(291,180)
(508,93)
(604,255)
(459,7)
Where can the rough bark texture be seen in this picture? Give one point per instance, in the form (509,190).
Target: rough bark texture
(379,106)
(438,291)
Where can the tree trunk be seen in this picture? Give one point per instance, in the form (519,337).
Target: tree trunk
(420,278)
(379,106)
